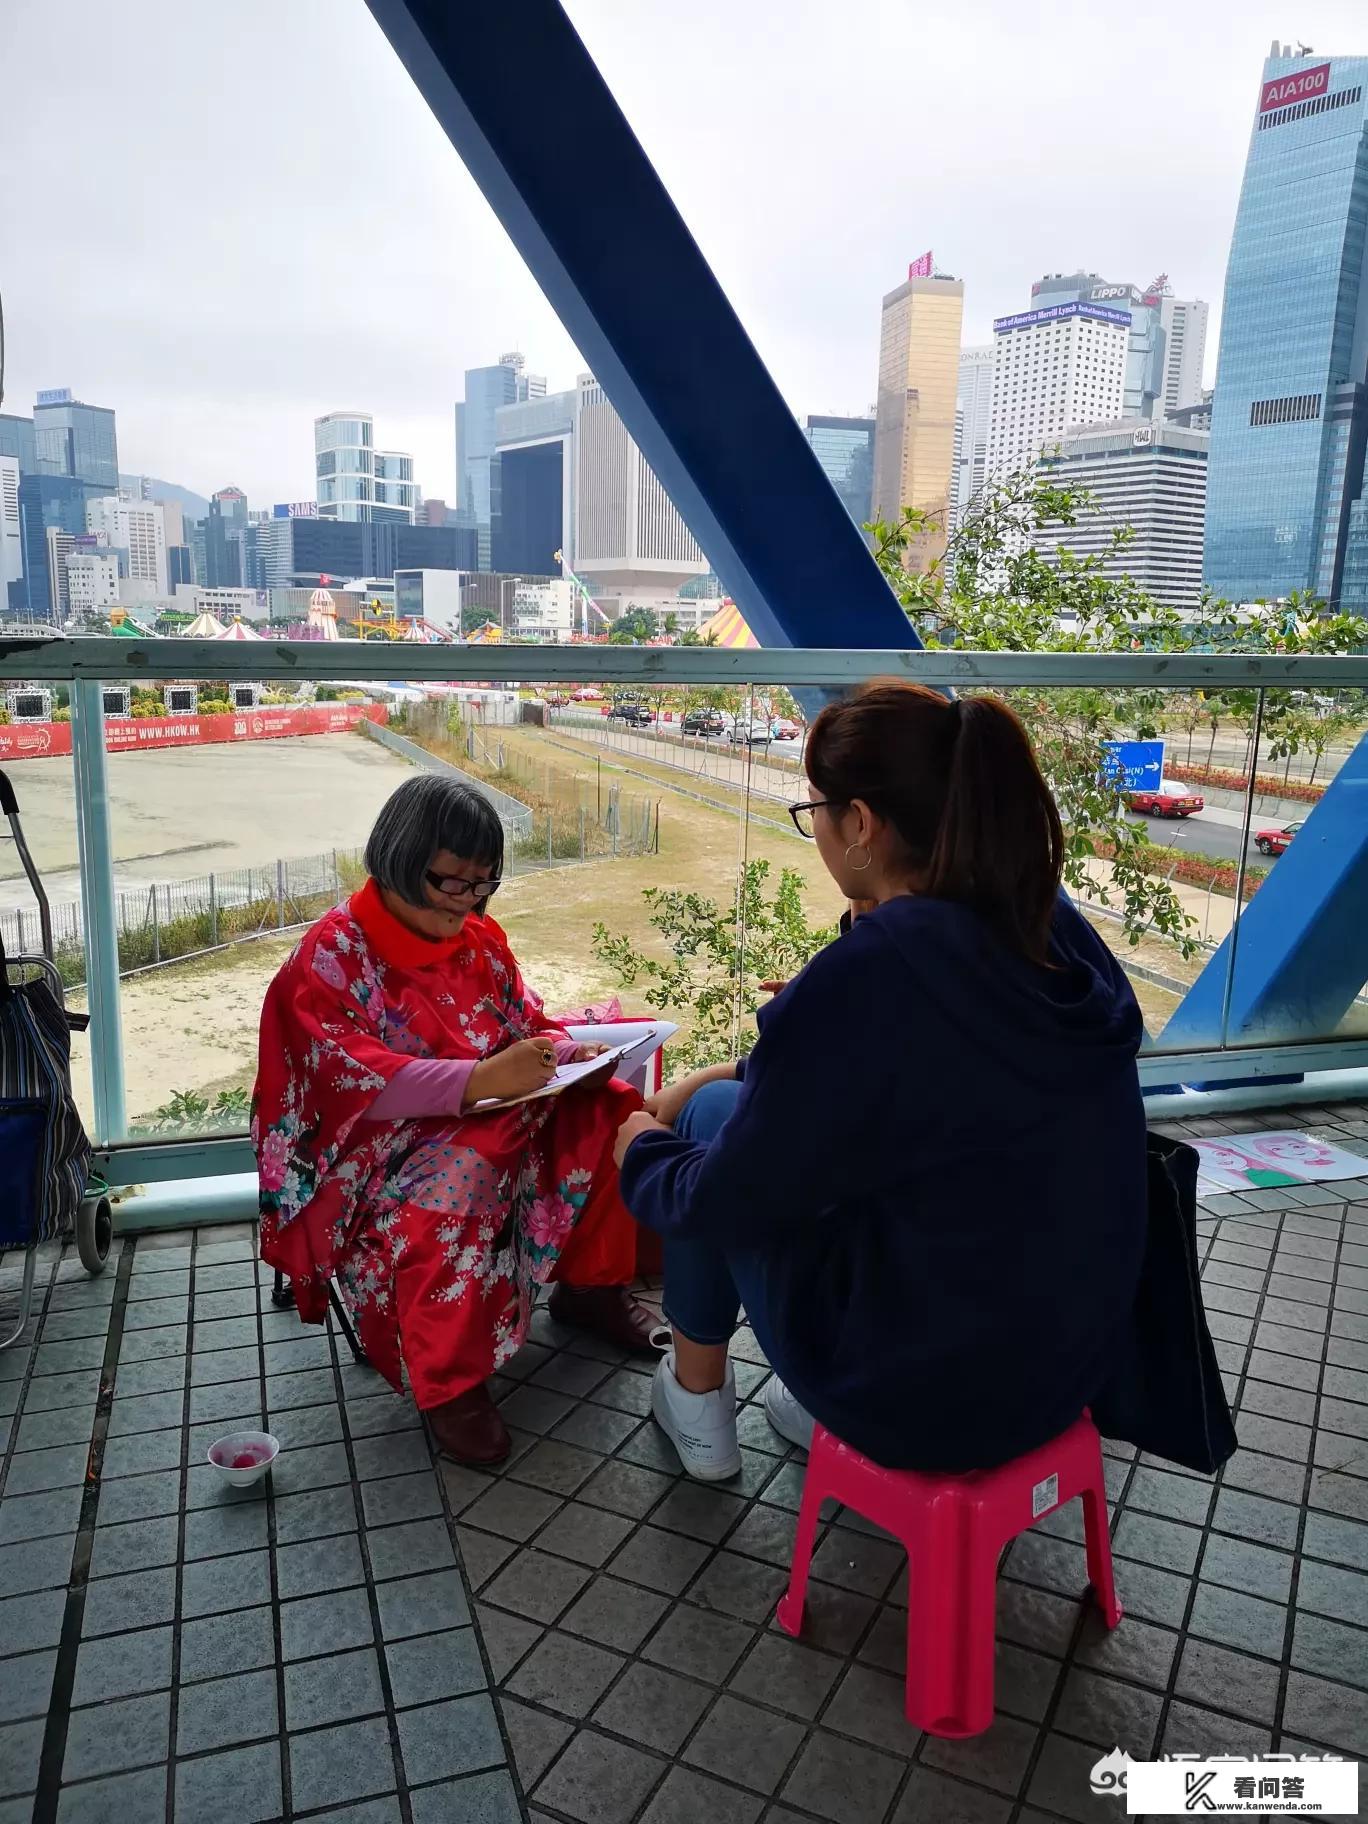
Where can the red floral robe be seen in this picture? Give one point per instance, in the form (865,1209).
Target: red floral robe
(438,1230)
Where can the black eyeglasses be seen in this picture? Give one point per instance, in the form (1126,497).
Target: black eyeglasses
(802,815)
(453,887)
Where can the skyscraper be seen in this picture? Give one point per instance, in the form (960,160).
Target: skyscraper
(534,445)
(1167,335)
(628,533)
(1184,322)
(136,530)
(46,501)
(75,440)
(1148,478)
(11,538)
(225,528)
(16,440)
(477,461)
(355,480)
(845,449)
(914,431)
(1289,420)
(1055,367)
(975,402)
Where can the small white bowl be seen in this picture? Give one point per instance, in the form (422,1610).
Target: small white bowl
(259,1445)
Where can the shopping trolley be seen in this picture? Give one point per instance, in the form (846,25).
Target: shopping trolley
(47,1188)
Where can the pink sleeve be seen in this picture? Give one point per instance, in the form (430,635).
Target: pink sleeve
(425,1086)
(565,1050)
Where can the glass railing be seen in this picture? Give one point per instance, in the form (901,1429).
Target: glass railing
(650,855)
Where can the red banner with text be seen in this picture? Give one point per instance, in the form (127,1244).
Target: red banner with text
(34,740)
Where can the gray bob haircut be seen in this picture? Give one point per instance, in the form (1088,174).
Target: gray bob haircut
(428,813)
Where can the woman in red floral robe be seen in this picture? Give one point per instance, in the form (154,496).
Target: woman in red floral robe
(395,1017)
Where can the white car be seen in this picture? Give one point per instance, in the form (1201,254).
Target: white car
(749,734)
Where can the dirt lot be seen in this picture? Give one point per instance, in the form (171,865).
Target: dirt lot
(201,810)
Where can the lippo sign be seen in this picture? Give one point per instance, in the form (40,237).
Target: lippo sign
(34,740)
(1301,85)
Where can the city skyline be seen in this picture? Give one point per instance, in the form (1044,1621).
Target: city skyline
(228,390)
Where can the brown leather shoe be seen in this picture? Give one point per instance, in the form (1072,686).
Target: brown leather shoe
(612,1313)
(469,1428)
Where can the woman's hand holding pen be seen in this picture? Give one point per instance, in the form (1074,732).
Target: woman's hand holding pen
(518,1070)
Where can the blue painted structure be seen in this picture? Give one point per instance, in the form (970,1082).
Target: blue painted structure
(606,244)
(1301,944)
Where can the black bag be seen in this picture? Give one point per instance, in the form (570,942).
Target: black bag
(46,1152)
(1165,1394)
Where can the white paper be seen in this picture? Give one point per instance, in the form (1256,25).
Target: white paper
(640,1039)
(565,1075)
(631,1045)
(1293,1157)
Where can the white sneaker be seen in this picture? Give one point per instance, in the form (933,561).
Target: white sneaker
(788,1418)
(701,1426)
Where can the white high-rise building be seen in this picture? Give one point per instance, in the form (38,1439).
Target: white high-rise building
(60,545)
(11,542)
(135,529)
(1184,322)
(355,480)
(92,582)
(975,406)
(1150,478)
(628,534)
(1053,368)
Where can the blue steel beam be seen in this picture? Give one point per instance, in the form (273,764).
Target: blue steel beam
(1301,944)
(583,205)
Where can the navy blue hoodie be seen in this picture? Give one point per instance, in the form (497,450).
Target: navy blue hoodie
(936,1173)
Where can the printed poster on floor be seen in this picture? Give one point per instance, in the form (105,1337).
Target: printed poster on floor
(1248,1162)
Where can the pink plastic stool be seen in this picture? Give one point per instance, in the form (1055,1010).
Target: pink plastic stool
(954,1528)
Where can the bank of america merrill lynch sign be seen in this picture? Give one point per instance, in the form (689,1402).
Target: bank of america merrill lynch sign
(1301,85)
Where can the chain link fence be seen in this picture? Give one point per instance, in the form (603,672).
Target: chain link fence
(576,816)
(171,920)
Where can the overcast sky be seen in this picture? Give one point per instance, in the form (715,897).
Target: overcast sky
(223,221)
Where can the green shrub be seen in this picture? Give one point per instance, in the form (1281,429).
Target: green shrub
(190,1113)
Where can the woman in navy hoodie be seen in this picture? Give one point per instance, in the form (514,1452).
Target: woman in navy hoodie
(926,1183)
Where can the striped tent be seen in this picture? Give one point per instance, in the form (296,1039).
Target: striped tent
(205,626)
(239,630)
(726,628)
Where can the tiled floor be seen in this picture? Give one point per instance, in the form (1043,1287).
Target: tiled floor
(169,1651)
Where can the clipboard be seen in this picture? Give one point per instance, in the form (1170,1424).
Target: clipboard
(566,1077)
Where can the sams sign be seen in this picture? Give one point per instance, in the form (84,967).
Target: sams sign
(1133,766)
(1301,85)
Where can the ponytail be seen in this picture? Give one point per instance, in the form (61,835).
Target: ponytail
(959,784)
(1000,844)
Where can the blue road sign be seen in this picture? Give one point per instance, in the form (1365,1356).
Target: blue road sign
(1134,766)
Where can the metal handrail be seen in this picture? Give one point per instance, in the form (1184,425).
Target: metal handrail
(343,661)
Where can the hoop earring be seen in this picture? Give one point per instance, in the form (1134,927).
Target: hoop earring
(857,867)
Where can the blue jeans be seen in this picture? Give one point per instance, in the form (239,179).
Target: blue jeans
(706,1284)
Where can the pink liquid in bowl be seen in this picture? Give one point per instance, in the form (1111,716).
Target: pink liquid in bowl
(252,1457)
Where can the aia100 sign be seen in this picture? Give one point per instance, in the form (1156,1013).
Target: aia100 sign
(1301,85)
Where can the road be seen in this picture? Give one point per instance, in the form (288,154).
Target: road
(1210,832)
(776,774)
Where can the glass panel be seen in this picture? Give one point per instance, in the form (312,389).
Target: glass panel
(1152,870)
(1293,977)
(650,918)
(35,754)
(232,833)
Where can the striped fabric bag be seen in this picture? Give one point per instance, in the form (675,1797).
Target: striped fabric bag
(44,1152)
